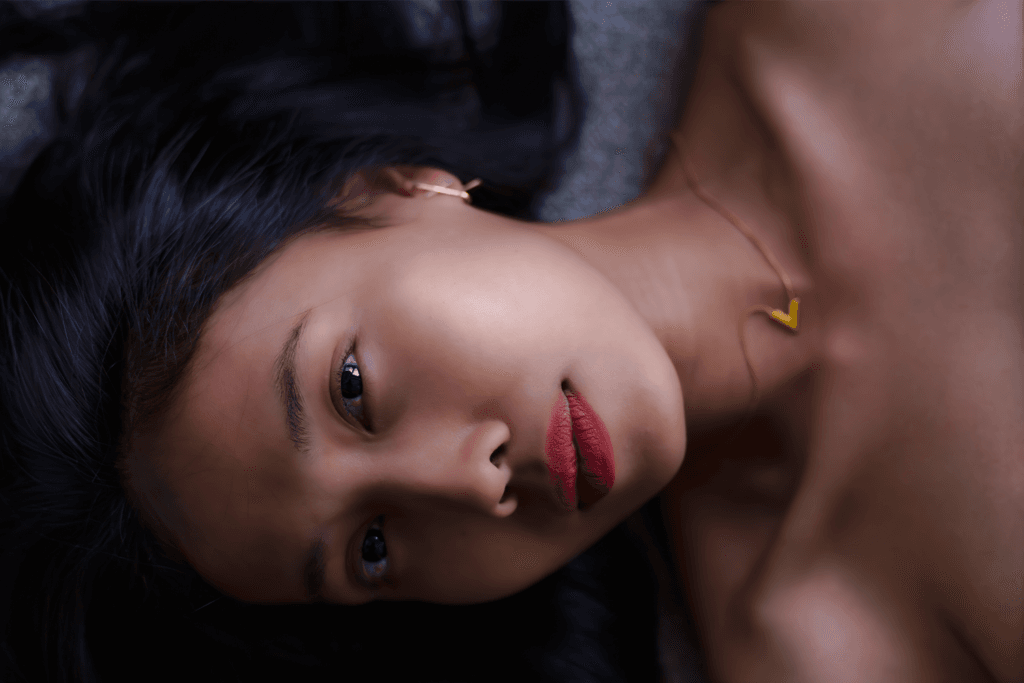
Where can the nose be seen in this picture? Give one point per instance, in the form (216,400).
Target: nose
(474,470)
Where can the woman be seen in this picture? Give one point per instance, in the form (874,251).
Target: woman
(404,426)
(324,89)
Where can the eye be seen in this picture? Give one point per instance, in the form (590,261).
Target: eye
(350,388)
(374,554)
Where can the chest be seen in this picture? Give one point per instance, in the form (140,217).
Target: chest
(891,474)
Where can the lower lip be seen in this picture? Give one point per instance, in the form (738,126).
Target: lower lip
(572,419)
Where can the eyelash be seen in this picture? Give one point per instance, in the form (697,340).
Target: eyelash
(353,406)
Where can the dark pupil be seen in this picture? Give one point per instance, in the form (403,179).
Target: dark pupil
(374,549)
(351,385)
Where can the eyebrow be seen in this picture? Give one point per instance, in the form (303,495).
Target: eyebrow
(288,389)
(314,568)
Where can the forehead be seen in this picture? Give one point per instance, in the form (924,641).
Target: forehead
(310,271)
(269,294)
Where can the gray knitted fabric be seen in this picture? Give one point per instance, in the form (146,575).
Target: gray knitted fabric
(33,89)
(24,86)
(632,61)
(26,116)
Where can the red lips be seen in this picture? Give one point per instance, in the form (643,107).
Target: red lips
(575,418)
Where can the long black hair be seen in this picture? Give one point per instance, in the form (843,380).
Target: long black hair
(208,135)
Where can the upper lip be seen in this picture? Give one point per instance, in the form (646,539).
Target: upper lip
(560,454)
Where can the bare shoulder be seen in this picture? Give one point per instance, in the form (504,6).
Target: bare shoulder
(838,29)
(921,76)
(890,123)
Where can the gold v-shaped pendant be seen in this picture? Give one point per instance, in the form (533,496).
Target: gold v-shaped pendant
(787,320)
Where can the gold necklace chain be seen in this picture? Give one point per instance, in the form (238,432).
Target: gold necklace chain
(789,320)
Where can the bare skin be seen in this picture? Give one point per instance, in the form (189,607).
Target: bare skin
(868,524)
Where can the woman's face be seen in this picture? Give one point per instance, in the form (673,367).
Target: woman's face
(428,358)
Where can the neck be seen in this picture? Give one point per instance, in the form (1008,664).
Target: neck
(692,275)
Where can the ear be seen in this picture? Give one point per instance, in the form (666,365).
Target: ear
(362,188)
(394,179)
(403,179)
(366,185)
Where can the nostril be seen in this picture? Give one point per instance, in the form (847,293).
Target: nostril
(504,495)
(498,452)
